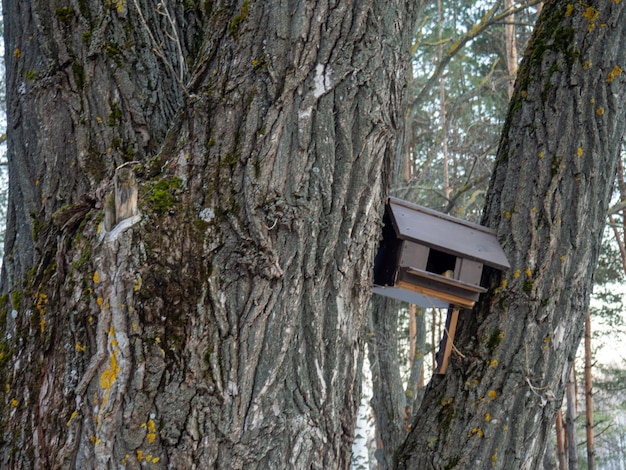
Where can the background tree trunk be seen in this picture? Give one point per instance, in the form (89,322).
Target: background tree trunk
(218,322)
(547,200)
(388,398)
(570,423)
(560,441)
(591,453)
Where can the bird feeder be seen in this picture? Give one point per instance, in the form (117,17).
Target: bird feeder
(431,259)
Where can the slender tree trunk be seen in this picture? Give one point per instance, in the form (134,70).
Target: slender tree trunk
(443,110)
(547,201)
(510,40)
(560,441)
(416,374)
(591,451)
(195,199)
(388,400)
(572,414)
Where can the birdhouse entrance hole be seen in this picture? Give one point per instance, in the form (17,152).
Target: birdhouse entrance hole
(441,263)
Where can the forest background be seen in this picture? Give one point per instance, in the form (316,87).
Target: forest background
(464,60)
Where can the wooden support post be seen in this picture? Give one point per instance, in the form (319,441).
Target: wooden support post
(448,339)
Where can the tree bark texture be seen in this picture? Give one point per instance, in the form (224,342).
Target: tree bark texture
(547,201)
(205,310)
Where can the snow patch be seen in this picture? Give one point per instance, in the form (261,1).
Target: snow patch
(322,81)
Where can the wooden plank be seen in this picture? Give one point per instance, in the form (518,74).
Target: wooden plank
(449,340)
(446,280)
(437,294)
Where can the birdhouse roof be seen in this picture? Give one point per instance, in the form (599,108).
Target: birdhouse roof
(446,233)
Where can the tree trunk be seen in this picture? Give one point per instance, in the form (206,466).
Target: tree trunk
(591,452)
(547,201)
(510,42)
(416,362)
(560,441)
(572,413)
(388,401)
(195,199)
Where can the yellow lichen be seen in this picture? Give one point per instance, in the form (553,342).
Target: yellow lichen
(72,416)
(517,273)
(492,394)
(579,151)
(80,347)
(110,373)
(17,53)
(616,72)
(528,272)
(600,111)
(14,403)
(96,277)
(587,65)
(151,435)
(493,363)
(541,154)
(139,455)
(569,9)
(591,14)
(487,416)
(476,431)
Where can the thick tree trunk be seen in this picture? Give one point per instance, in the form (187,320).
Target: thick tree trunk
(205,310)
(548,199)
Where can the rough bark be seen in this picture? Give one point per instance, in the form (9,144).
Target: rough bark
(219,326)
(547,201)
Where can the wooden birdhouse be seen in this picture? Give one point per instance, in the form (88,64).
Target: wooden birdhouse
(434,260)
